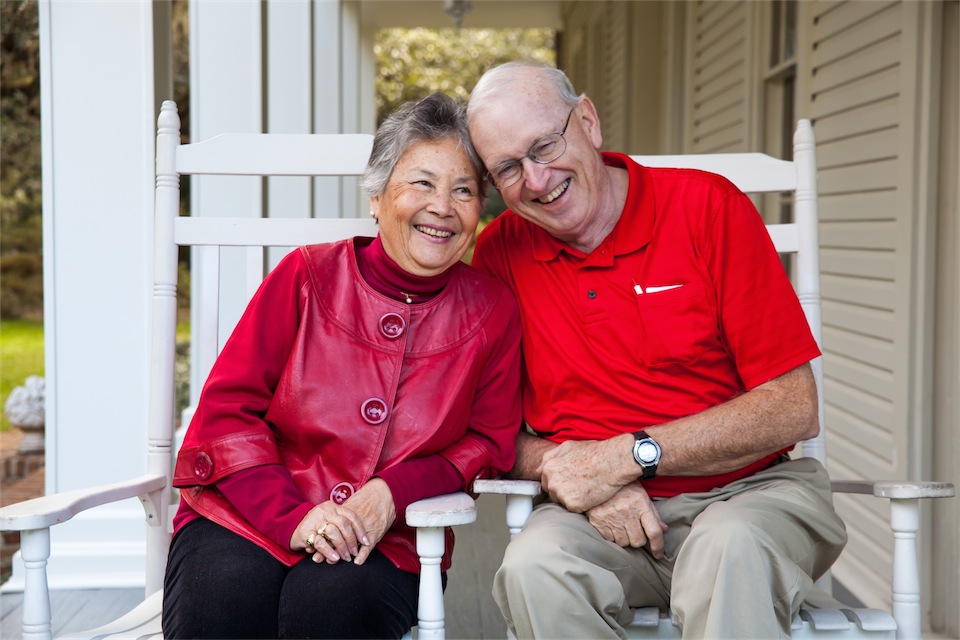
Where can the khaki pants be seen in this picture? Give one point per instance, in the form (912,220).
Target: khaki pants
(738,562)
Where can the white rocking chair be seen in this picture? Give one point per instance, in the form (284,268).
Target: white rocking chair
(235,154)
(759,173)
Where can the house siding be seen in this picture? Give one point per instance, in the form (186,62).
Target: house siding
(855,102)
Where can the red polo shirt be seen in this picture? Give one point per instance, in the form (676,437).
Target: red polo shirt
(682,307)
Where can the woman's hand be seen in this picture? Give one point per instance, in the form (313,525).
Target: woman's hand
(374,504)
(330,532)
(350,531)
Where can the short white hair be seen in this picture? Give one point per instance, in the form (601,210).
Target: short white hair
(499,79)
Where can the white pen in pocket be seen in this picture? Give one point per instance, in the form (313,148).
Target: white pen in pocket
(667,287)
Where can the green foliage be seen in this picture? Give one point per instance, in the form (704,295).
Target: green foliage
(21,284)
(413,63)
(180,61)
(21,348)
(181,374)
(21,239)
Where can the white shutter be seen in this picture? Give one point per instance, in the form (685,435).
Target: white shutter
(616,113)
(861,119)
(718,77)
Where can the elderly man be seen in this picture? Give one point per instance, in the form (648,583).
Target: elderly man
(666,379)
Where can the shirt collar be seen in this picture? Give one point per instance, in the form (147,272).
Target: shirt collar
(631,232)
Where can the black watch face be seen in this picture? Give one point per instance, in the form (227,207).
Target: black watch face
(647,451)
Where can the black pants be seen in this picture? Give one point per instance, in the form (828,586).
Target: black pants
(219,585)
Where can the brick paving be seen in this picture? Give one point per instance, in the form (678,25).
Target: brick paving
(21,478)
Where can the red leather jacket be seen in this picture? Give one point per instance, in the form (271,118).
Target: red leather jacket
(364,383)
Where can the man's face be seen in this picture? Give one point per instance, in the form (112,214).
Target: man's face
(560,196)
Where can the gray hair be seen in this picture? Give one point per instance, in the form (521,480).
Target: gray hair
(436,117)
(498,80)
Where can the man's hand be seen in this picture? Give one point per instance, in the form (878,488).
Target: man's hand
(630,519)
(583,474)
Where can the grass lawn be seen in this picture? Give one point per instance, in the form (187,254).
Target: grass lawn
(21,355)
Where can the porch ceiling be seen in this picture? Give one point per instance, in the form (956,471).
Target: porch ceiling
(488,14)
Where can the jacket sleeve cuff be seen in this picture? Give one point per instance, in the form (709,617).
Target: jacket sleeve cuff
(210,462)
(419,478)
(267,498)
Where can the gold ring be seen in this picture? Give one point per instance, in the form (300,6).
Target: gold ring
(322,530)
(311,539)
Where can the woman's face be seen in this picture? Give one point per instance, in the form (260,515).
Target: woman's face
(429,211)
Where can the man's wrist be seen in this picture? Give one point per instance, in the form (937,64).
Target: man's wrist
(646,454)
(627,468)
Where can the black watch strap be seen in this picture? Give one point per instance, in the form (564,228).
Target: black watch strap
(646,453)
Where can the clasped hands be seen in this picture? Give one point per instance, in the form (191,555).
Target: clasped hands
(333,532)
(584,477)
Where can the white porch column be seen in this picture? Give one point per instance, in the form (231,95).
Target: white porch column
(335,28)
(98,123)
(282,66)
(288,99)
(356,92)
(226,96)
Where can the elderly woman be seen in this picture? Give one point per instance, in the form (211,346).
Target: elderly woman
(365,374)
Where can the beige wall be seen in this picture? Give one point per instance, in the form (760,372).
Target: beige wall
(946,386)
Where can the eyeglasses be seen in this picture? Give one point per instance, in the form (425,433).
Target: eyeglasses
(543,151)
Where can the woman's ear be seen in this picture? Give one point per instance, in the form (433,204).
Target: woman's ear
(375,208)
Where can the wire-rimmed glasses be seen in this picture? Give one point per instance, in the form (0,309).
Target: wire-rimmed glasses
(543,151)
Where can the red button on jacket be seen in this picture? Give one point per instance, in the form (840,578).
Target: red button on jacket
(392,325)
(374,410)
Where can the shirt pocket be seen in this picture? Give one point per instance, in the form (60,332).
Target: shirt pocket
(677,326)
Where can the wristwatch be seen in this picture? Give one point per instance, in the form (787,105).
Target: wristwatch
(646,452)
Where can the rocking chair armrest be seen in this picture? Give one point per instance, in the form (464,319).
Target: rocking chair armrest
(508,487)
(884,489)
(905,523)
(518,494)
(431,516)
(442,511)
(46,511)
(895,490)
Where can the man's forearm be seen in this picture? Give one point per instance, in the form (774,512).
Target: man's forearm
(727,437)
(530,450)
(721,439)
(582,474)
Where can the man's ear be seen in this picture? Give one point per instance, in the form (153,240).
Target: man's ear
(590,121)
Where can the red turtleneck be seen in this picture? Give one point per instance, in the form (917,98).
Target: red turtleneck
(387,277)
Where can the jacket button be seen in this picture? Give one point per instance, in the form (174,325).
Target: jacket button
(202,466)
(392,326)
(341,492)
(374,410)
